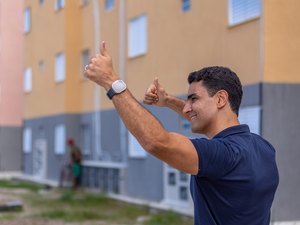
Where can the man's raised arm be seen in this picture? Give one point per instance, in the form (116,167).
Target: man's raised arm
(172,148)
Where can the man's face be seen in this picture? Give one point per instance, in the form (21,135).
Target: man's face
(200,108)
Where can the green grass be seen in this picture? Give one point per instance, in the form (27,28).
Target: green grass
(7,216)
(19,184)
(168,218)
(79,207)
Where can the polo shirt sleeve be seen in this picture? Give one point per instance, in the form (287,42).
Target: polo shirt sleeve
(216,158)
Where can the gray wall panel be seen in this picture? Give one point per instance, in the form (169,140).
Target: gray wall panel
(110,135)
(281,124)
(44,128)
(145,176)
(10,148)
(251,95)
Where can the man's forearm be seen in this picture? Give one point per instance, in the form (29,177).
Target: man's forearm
(176,104)
(139,121)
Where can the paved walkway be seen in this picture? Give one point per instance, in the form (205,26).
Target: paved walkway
(286,223)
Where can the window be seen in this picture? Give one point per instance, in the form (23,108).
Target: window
(137,36)
(59,4)
(85,59)
(27,80)
(109,5)
(60,67)
(183,176)
(243,10)
(183,193)
(85,135)
(135,149)
(172,178)
(251,116)
(186,5)
(27,20)
(60,139)
(27,140)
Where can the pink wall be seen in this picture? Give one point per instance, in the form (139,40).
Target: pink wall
(11,62)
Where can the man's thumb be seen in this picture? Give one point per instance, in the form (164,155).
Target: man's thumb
(103,49)
(156,82)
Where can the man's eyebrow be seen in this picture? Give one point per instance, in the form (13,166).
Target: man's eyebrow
(191,96)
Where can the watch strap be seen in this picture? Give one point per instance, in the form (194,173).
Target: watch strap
(110,94)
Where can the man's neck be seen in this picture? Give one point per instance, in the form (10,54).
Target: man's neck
(222,125)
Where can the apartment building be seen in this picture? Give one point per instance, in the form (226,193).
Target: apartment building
(11,95)
(257,39)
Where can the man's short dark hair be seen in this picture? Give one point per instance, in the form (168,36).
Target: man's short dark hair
(218,78)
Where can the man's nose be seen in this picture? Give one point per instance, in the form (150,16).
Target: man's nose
(187,108)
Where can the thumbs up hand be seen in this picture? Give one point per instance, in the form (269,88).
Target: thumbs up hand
(100,69)
(155,94)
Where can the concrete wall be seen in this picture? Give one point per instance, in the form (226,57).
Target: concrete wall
(281,124)
(10,145)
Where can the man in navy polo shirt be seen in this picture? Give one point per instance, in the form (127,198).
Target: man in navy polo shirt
(233,173)
(237,176)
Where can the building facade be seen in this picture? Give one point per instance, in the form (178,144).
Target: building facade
(11,95)
(257,39)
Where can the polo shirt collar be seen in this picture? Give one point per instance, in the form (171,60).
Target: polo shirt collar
(243,128)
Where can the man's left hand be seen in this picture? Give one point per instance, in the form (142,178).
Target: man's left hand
(100,69)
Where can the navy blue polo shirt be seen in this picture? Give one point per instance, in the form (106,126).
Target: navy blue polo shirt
(237,179)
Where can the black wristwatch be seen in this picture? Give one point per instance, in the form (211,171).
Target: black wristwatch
(117,87)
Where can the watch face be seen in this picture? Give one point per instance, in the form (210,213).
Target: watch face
(118,86)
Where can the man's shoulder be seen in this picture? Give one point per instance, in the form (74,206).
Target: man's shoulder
(262,141)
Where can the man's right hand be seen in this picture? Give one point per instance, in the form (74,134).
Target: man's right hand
(155,94)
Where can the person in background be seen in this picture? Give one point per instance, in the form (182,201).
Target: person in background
(75,156)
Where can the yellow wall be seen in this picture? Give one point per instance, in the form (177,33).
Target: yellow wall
(178,43)
(183,42)
(282,41)
(69,30)
(44,41)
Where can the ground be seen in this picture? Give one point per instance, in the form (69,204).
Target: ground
(42,206)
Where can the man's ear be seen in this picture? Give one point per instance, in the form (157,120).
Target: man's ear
(222,98)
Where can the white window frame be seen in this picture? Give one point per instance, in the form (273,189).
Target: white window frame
(240,11)
(60,139)
(135,150)
(27,83)
(251,115)
(60,67)
(137,36)
(172,194)
(27,140)
(27,19)
(86,141)
(59,4)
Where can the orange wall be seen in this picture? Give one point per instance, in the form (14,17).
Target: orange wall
(282,41)
(183,42)
(42,43)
